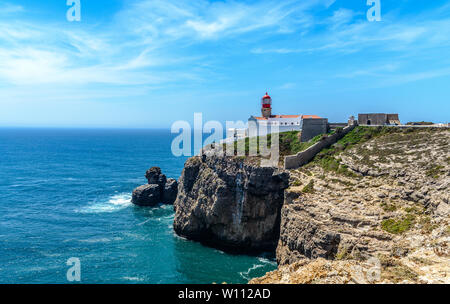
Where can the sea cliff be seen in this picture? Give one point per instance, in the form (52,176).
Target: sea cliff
(230,204)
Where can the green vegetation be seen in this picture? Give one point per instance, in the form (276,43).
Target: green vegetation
(395,271)
(399,273)
(329,159)
(362,134)
(289,143)
(388,207)
(305,171)
(416,210)
(398,226)
(309,188)
(427,225)
(297,183)
(420,123)
(329,163)
(422,261)
(342,182)
(434,171)
(338,130)
(342,253)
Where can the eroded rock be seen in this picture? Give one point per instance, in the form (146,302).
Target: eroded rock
(147,195)
(158,190)
(229,204)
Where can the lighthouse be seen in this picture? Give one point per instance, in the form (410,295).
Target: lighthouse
(269,123)
(266,106)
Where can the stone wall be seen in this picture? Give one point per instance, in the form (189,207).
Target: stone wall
(391,117)
(302,158)
(378,119)
(311,127)
(335,125)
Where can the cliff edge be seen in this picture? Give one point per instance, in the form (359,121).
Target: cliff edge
(230,204)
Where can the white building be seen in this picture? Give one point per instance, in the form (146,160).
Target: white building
(274,123)
(269,123)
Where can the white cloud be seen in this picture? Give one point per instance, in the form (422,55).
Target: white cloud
(143,36)
(142,45)
(164,21)
(346,34)
(341,17)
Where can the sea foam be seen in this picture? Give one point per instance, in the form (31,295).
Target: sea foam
(114,203)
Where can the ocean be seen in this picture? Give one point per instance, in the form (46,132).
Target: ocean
(66,193)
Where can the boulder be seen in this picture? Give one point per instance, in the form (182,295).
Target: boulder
(147,195)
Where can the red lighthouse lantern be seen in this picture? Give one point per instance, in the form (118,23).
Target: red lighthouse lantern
(266,106)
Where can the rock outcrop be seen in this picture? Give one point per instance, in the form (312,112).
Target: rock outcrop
(158,190)
(229,204)
(302,236)
(383,199)
(147,195)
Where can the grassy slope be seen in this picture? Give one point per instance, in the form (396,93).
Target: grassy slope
(329,158)
(289,143)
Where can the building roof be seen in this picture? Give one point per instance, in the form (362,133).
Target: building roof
(311,116)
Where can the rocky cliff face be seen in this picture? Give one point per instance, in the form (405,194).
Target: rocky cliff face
(373,195)
(229,204)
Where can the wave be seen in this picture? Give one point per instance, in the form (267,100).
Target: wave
(50,255)
(114,203)
(267,261)
(101,240)
(133,279)
(246,274)
(263,263)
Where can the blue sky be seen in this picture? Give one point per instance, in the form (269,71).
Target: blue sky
(148,63)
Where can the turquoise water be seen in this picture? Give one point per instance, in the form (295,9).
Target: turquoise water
(66,193)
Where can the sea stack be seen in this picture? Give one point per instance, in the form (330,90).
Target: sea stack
(159,189)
